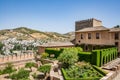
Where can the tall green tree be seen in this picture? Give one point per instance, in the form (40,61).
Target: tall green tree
(68,57)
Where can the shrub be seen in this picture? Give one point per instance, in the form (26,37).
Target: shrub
(68,57)
(81,72)
(100,70)
(20,75)
(44,55)
(8,69)
(84,56)
(45,68)
(55,51)
(30,65)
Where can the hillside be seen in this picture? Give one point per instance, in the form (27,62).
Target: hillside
(23,33)
(70,35)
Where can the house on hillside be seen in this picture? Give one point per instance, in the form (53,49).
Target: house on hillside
(92,32)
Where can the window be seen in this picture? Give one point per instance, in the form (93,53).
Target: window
(116,36)
(81,36)
(116,44)
(97,36)
(89,35)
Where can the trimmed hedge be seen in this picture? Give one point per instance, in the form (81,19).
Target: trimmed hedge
(100,70)
(103,56)
(96,57)
(58,51)
(84,56)
(66,77)
(55,51)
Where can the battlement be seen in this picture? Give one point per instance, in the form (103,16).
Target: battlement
(87,23)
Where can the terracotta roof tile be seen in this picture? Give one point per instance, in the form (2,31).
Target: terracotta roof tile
(98,28)
(114,30)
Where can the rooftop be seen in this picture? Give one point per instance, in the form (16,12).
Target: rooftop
(57,44)
(98,28)
(115,30)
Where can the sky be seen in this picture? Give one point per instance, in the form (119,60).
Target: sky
(57,15)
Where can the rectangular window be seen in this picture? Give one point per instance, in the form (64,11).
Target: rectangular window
(97,36)
(81,36)
(116,36)
(116,44)
(89,35)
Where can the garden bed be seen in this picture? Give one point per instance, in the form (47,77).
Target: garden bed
(82,72)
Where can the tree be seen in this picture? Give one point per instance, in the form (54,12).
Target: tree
(117,26)
(30,65)
(68,57)
(1,46)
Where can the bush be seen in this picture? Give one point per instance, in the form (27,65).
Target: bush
(84,56)
(81,72)
(45,68)
(8,69)
(30,65)
(55,51)
(44,55)
(100,70)
(20,75)
(68,57)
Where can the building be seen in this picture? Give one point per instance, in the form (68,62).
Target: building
(41,48)
(92,32)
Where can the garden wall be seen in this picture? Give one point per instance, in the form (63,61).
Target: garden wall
(16,59)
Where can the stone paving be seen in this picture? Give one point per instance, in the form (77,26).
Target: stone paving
(117,77)
(112,64)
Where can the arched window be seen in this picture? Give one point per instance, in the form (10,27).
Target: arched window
(81,36)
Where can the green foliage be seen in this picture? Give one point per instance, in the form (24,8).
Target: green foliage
(44,55)
(34,75)
(30,65)
(81,72)
(20,75)
(1,46)
(8,69)
(100,70)
(17,47)
(100,57)
(55,51)
(68,57)
(84,56)
(45,68)
(58,51)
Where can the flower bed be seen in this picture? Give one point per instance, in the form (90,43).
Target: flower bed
(82,72)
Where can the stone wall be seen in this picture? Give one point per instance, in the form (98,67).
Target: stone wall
(87,23)
(18,60)
(104,38)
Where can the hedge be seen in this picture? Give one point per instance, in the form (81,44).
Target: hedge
(103,56)
(86,56)
(98,57)
(54,51)
(58,51)
(67,77)
(100,70)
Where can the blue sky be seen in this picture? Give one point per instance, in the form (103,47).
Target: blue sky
(57,15)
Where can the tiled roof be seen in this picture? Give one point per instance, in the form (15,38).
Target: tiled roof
(57,44)
(114,30)
(97,28)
